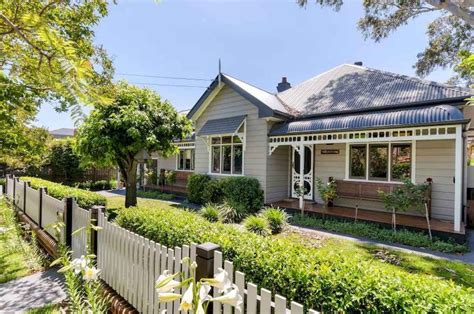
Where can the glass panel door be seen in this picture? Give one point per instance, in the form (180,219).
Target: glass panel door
(307,172)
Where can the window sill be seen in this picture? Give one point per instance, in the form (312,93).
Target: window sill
(373,181)
(225,174)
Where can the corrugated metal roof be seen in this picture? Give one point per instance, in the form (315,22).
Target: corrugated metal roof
(221,126)
(415,116)
(349,87)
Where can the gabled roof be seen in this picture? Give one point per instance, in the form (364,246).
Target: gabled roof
(268,104)
(350,87)
(442,114)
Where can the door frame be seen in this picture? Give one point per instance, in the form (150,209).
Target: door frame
(295,177)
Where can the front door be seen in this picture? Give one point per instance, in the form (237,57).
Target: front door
(307,172)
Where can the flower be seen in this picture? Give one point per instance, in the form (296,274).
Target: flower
(200,309)
(91,273)
(78,264)
(166,283)
(232,298)
(168,296)
(220,281)
(187,300)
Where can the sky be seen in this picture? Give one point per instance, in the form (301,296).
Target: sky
(258,41)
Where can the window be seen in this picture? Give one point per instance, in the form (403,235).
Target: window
(186,159)
(358,156)
(401,161)
(380,162)
(227,155)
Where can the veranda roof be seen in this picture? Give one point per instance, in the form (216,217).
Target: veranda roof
(222,126)
(442,114)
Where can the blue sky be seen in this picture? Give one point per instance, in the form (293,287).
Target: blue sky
(257,41)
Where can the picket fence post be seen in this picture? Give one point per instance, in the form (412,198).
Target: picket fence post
(14,191)
(95,210)
(68,203)
(40,218)
(205,260)
(25,185)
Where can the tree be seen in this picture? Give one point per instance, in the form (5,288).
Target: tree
(64,162)
(448,34)
(137,120)
(47,49)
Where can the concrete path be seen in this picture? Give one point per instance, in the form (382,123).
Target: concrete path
(466,258)
(32,291)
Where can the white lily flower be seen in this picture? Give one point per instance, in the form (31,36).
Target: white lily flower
(204,293)
(200,309)
(168,296)
(166,283)
(220,281)
(232,298)
(79,264)
(91,273)
(187,300)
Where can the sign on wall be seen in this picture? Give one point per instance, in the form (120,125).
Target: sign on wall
(329,151)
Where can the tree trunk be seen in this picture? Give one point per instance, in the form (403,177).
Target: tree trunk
(131,186)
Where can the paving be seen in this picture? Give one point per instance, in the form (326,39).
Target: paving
(32,291)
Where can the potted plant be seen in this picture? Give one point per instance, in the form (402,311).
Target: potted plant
(327,191)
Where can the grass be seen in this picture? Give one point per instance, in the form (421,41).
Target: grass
(458,272)
(378,233)
(47,309)
(18,257)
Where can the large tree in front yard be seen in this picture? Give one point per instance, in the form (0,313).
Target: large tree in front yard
(136,120)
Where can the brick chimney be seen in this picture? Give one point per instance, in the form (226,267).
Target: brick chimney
(283,85)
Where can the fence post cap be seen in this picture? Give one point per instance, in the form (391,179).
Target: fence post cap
(98,208)
(206,250)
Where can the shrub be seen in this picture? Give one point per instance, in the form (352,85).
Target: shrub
(3,182)
(210,212)
(195,187)
(374,231)
(243,193)
(212,192)
(85,199)
(257,224)
(230,214)
(94,185)
(331,281)
(276,218)
(156,195)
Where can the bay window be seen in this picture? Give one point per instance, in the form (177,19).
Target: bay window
(380,162)
(226,155)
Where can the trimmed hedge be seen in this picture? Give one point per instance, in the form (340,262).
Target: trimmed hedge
(85,199)
(243,193)
(333,282)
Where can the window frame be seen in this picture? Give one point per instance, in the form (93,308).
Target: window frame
(192,162)
(411,144)
(232,144)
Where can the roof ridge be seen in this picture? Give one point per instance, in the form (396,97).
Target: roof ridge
(233,77)
(415,79)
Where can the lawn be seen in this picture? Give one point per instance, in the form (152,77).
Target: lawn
(461,273)
(17,256)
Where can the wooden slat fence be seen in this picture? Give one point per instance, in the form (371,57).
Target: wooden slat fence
(32,203)
(9,189)
(19,193)
(79,241)
(52,210)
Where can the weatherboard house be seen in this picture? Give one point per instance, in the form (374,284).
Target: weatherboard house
(368,129)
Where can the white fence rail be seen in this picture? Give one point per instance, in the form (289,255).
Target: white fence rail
(79,241)
(9,191)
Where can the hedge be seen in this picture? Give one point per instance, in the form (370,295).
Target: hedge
(85,199)
(333,282)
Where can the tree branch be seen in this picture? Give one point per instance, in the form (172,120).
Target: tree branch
(47,6)
(454,8)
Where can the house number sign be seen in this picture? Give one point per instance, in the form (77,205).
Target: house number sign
(329,151)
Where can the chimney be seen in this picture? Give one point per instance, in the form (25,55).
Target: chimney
(359,63)
(283,85)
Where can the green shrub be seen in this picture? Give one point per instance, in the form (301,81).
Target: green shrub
(243,193)
(195,187)
(332,281)
(230,214)
(276,218)
(374,231)
(212,192)
(257,224)
(156,195)
(210,212)
(85,199)
(3,182)
(94,185)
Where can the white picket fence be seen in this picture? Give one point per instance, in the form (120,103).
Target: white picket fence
(79,241)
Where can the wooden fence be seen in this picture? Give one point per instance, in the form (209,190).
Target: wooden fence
(130,263)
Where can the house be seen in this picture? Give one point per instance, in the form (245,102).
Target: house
(366,128)
(62,133)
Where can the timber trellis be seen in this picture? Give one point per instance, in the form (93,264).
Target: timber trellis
(130,263)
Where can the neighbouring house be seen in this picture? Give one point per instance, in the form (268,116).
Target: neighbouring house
(62,133)
(364,127)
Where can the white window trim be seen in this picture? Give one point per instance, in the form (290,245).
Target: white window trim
(193,160)
(220,145)
(389,179)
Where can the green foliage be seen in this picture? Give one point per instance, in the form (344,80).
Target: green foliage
(64,163)
(85,199)
(258,225)
(378,233)
(242,193)
(196,186)
(328,191)
(276,217)
(407,196)
(330,281)
(156,195)
(96,185)
(212,192)
(230,214)
(170,176)
(210,212)
(138,120)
